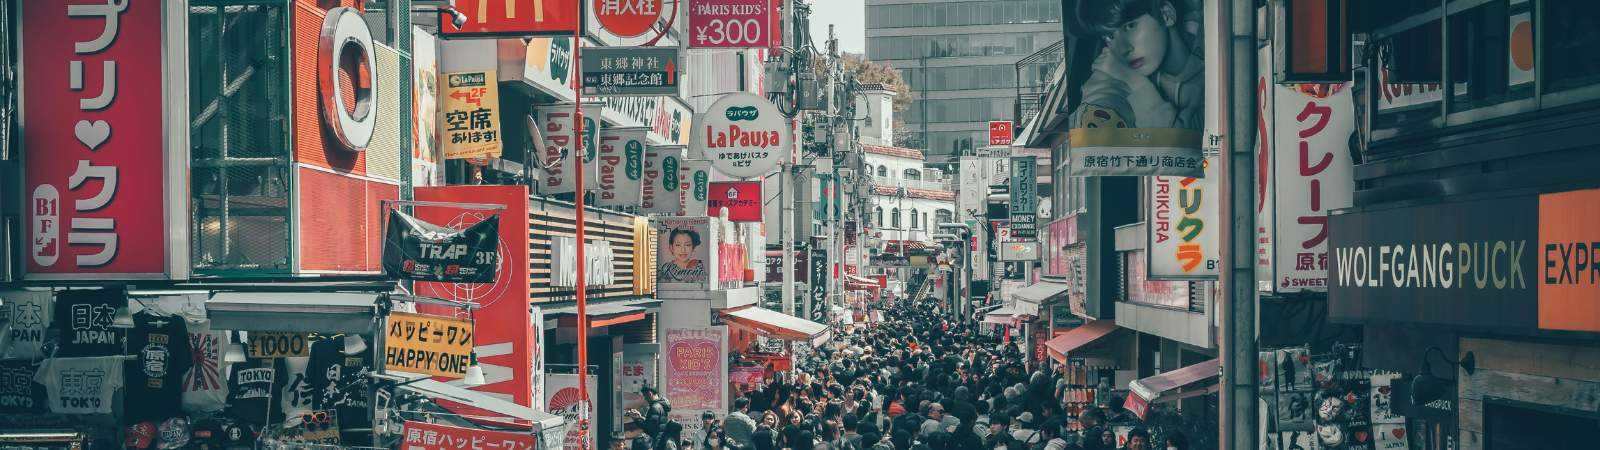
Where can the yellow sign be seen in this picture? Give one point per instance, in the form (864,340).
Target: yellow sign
(469,113)
(429,345)
(274,344)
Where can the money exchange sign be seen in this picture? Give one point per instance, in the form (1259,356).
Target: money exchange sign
(1024,199)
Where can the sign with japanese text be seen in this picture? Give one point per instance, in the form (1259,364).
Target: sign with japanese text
(469,112)
(512,18)
(560,157)
(630,70)
(774,263)
(660,187)
(743,135)
(742,200)
(1024,205)
(1135,152)
(1183,230)
(621,166)
(666,117)
(730,23)
(96,180)
(819,277)
(547,65)
(1000,132)
(696,375)
(274,344)
(429,345)
(568,402)
(638,371)
(694,181)
(627,18)
(1311,174)
(432,436)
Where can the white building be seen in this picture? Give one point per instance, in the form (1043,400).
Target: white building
(906,200)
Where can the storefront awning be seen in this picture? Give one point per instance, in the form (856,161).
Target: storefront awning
(605,314)
(1078,337)
(779,325)
(295,312)
(479,401)
(1042,292)
(1169,386)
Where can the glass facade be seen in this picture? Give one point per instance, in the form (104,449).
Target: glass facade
(954,45)
(963,13)
(962,110)
(969,77)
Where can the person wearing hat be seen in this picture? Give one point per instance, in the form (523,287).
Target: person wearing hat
(1025,433)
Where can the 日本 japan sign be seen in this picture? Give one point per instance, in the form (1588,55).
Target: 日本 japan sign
(511,18)
(94,103)
(743,135)
(627,18)
(729,23)
(630,71)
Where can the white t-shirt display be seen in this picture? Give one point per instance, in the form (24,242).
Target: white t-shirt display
(24,316)
(205,387)
(81,385)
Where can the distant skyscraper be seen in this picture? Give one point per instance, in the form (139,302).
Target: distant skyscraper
(959,58)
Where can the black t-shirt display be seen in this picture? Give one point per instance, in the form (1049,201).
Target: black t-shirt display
(253,390)
(84,318)
(18,392)
(339,381)
(160,349)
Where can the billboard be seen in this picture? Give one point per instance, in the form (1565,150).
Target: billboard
(730,23)
(743,135)
(683,253)
(1184,226)
(696,374)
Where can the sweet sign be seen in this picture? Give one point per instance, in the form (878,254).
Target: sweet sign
(743,135)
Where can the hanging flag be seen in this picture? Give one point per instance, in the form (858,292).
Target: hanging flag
(417,250)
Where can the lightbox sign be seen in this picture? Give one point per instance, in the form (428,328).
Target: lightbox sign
(513,18)
(730,23)
(742,200)
(743,135)
(1024,204)
(627,18)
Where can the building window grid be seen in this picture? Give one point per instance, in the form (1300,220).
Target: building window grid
(963,13)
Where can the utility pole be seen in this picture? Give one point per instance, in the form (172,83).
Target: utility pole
(1238,397)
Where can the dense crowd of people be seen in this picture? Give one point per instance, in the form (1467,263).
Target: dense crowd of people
(914,382)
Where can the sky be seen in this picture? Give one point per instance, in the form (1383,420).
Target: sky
(849,21)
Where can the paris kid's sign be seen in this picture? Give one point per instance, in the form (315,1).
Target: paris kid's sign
(743,135)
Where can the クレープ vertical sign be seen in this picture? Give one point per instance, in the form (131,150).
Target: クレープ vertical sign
(429,345)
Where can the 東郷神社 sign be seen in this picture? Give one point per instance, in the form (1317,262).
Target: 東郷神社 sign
(630,71)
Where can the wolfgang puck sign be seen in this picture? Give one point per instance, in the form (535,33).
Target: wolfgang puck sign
(743,135)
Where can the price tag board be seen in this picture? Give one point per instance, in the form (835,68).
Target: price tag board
(730,23)
(273,344)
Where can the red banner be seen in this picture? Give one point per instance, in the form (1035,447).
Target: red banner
(94,108)
(429,436)
(730,23)
(741,198)
(1000,132)
(513,18)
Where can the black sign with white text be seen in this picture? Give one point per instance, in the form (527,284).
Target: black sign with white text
(417,250)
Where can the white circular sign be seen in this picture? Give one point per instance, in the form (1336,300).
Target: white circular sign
(345,31)
(743,135)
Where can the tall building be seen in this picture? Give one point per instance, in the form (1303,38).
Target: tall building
(959,57)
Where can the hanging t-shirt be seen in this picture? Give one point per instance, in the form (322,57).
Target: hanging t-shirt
(204,389)
(80,385)
(296,391)
(26,316)
(339,381)
(160,348)
(84,318)
(253,387)
(18,393)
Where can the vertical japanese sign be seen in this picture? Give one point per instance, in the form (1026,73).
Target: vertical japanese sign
(425,109)
(94,107)
(429,345)
(660,186)
(470,115)
(1024,199)
(630,71)
(696,376)
(1311,175)
(819,278)
(638,370)
(694,178)
(431,436)
(730,23)
(1000,132)
(621,166)
(560,156)
(512,18)
(1182,229)
(566,401)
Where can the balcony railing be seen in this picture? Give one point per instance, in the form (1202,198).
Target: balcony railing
(936,185)
(1034,73)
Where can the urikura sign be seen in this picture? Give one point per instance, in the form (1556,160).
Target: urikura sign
(730,23)
(1183,228)
(105,179)
(743,135)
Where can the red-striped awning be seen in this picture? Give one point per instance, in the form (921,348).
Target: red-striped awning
(1078,337)
(779,325)
(1168,386)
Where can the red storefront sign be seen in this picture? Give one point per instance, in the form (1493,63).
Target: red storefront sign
(429,436)
(627,18)
(730,23)
(513,18)
(1000,132)
(741,198)
(94,106)
(731,258)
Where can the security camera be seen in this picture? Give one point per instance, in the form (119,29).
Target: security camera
(456,17)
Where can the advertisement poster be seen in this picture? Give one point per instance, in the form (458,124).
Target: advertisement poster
(660,187)
(741,200)
(470,115)
(94,101)
(560,157)
(432,436)
(621,166)
(683,252)
(1184,228)
(696,375)
(513,18)
(1311,175)
(694,180)
(566,401)
(429,345)
(743,135)
(730,23)
(1024,205)
(638,370)
(425,109)
(1141,289)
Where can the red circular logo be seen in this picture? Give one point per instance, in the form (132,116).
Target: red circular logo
(627,18)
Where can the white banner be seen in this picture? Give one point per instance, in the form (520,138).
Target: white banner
(1311,175)
(694,180)
(974,186)
(621,166)
(660,186)
(555,125)
(1184,226)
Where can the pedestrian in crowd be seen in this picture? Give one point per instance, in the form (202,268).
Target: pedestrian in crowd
(739,426)
(1138,439)
(766,435)
(710,429)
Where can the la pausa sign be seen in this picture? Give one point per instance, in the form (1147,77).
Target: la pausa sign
(744,135)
